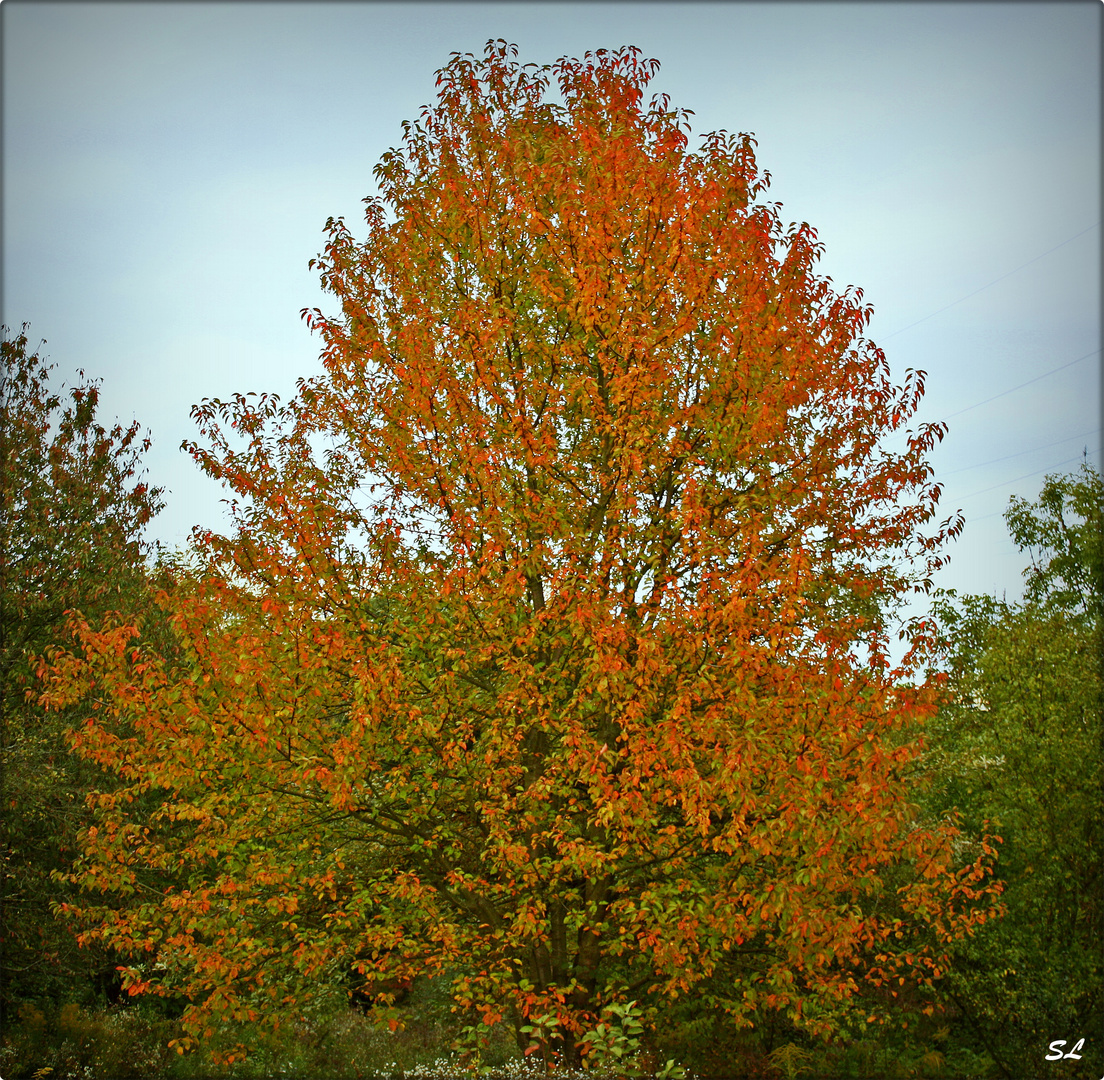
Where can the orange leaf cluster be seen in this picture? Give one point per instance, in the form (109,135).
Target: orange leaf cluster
(552,644)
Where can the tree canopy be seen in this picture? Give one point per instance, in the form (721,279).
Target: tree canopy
(73,505)
(551,645)
(1018,745)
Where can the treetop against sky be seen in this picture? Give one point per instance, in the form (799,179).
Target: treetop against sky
(168,170)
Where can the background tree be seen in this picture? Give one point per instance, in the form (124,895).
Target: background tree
(551,646)
(1019,746)
(72,509)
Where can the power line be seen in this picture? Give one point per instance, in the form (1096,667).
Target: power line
(991,283)
(1003,393)
(1026,476)
(1019,453)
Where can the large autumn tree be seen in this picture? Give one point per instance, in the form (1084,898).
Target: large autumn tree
(551,648)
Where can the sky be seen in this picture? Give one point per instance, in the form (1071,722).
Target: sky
(168,169)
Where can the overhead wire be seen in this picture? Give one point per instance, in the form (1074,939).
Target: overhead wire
(993,282)
(1013,389)
(1003,393)
(1026,476)
(1000,513)
(1020,453)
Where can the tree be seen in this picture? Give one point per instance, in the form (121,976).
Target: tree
(73,509)
(550,648)
(1019,745)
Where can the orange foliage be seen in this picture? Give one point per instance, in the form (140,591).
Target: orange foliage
(552,644)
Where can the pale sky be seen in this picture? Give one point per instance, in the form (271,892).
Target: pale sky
(168,169)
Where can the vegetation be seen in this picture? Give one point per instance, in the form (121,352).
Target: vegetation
(538,711)
(72,513)
(1019,747)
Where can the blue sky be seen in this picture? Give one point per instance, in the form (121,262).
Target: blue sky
(168,170)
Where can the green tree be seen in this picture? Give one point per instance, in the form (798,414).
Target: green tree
(72,512)
(1019,745)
